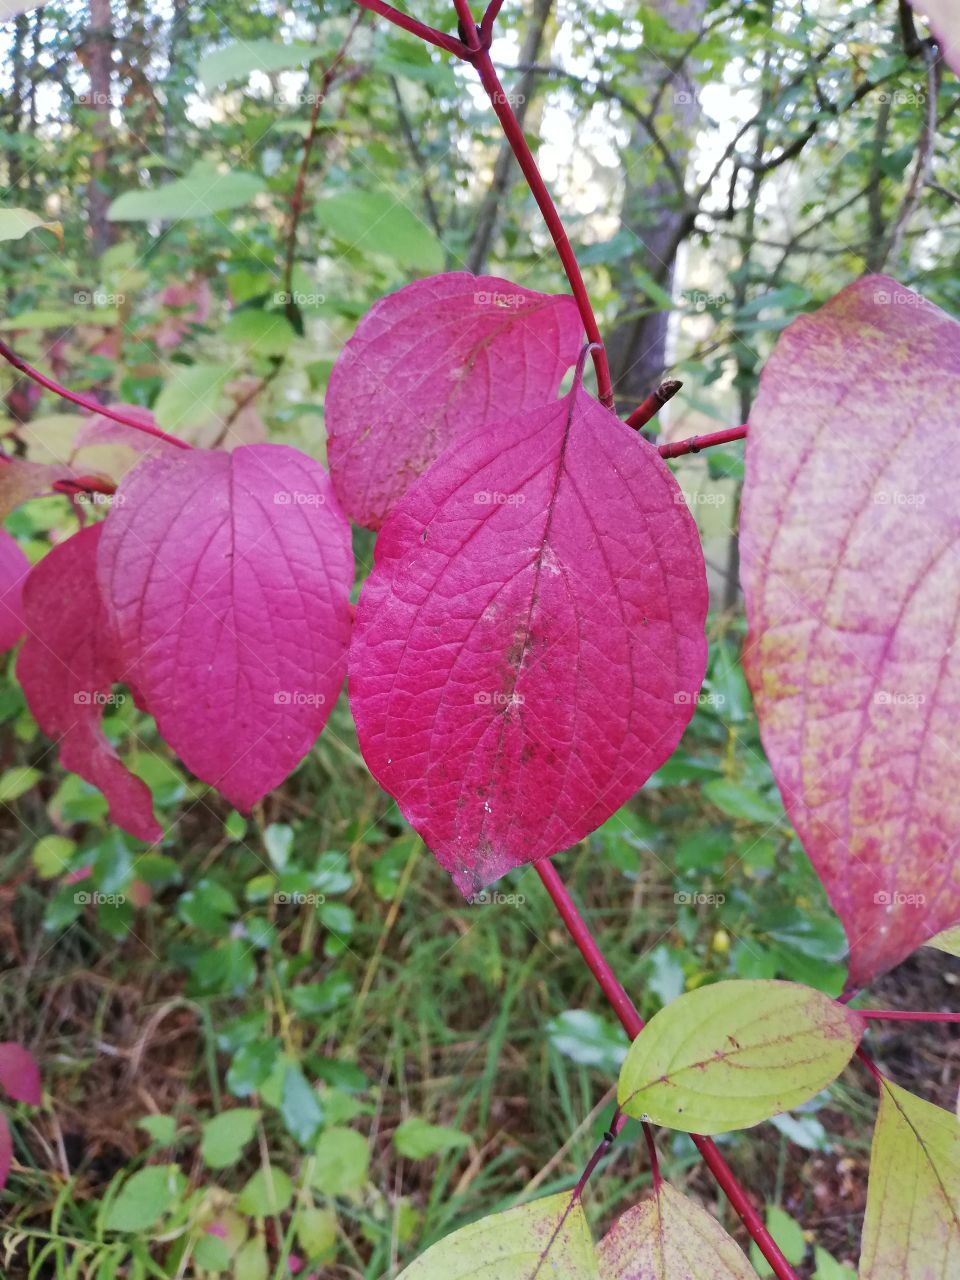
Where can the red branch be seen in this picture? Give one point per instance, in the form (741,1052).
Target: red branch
(450,43)
(696,443)
(897,1015)
(653,403)
(85,402)
(633,1024)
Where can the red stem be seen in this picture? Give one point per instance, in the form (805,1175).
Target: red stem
(450,43)
(696,443)
(897,1015)
(652,1152)
(653,403)
(869,1063)
(518,144)
(633,1024)
(85,402)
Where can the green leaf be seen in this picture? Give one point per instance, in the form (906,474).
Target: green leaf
(278,842)
(16,223)
(341,1162)
(268,1193)
(788,1235)
(17,781)
(948,941)
(740,801)
(261,332)
(828,1268)
(251,1262)
(317,1232)
(377,222)
(300,1106)
(509,1246)
(732,1054)
(202,192)
(236,61)
(418,1140)
(225,1136)
(145,1198)
(51,855)
(211,1253)
(911,1230)
(589,1039)
(161,1129)
(190,395)
(670,1237)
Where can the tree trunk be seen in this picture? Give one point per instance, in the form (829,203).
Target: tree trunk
(653,211)
(490,208)
(100,45)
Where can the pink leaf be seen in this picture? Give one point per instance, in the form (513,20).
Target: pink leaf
(530,642)
(943,19)
(19,1073)
(851,516)
(68,667)
(6,1151)
(21,480)
(99,429)
(431,364)
(227,577)
(14,567)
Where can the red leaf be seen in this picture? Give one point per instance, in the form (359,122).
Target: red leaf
(68,666)
(14,567)
(530,642)
(851,515)
(227,577)
(6,1151)
(434,363)
(19,1073)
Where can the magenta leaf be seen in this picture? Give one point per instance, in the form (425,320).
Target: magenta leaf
(851,516)
(433,363)
(14,567)
(530,642)
(19,1073)
(227,578)
(6,1150)
(67,668)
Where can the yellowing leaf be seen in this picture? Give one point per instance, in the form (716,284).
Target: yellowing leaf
(948,941)
(15,223)
(515,1245)
(911,1230)
(670,1238)
(730,1055)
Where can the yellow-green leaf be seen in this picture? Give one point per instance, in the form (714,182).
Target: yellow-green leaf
(670,1237)
(509,1246)
(16,223)
(911,1230)
(732,1054)
(948,940)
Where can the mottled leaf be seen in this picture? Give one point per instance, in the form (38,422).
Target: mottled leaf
(14,567)
(670,1237)
(851,515)
(911,1230)
(67,668)
(21,480)
(227,578)
(19,1074)
(530,642)
(533,1239)
(732,1054)
(436,362)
